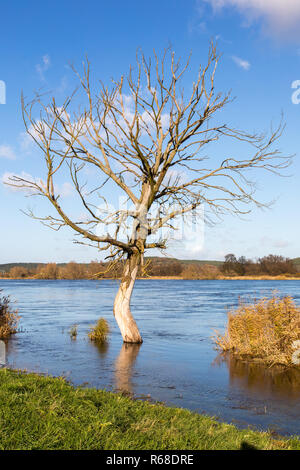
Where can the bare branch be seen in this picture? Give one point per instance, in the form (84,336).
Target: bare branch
(145,138)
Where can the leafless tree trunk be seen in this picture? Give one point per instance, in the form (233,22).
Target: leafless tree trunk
(139,136)
(122,312)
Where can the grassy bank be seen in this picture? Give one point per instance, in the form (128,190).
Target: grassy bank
(45,413)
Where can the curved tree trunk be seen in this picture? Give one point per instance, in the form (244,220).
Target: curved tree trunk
(122,313)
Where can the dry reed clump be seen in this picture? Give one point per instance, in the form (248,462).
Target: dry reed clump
(9,318)
(100,331)
(265,331)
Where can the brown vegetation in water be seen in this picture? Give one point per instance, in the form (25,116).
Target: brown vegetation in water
(9,318)
(100,331)
(266,330)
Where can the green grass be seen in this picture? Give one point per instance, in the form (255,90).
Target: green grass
(39,412)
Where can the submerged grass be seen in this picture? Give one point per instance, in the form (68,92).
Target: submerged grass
(100,331)
(39,412)
(268,330)
(73,331)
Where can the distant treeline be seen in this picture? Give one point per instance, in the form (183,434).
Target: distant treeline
(161,267)
(271,265)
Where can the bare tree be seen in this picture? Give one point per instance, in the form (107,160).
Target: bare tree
(143,135)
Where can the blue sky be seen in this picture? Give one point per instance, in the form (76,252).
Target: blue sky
(260,44)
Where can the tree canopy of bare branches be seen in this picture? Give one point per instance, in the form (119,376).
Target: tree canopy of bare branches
(144,136)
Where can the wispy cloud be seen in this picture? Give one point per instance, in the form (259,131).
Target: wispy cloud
(279,16)
(244,64)
(6,180)
(274,243)
(63,190)
(195,26)
(63,85)
(6,151)
(43,67)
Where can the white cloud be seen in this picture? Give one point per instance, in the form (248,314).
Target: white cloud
(43,67)
(25,141)
(27,138)
(179,175)
(274,243)
(6,179)
(195,26)
(279,15)
(63,85)
(7,152)
(244,64)
(63,190)
(146,121)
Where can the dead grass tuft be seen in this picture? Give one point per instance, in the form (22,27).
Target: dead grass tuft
(266,330)
(100,331)
(9,319)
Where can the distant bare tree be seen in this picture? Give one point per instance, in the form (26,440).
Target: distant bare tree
(17,272)
(140,134)
(275,264)
(73,270)
(50,271)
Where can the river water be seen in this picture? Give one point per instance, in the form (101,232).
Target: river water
(177,363)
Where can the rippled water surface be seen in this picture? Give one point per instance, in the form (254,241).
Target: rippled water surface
(177,362)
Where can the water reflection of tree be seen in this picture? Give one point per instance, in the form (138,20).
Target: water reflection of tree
(101,347)
(2,353)
(124,367)
(10,347)
(261,380)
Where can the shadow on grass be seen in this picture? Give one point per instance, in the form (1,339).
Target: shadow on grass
(246,446)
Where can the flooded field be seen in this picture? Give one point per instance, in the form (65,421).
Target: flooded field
(177,363)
